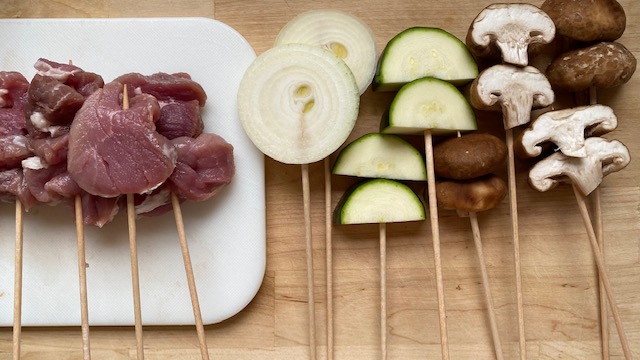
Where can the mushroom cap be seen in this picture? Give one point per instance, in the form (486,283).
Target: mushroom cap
(587,20)
(513,90)
(473,195)
(602,65)
(507,30)
(566,128)
(586,173)
(468,156)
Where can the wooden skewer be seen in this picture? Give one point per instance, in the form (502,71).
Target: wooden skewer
(329,255)
(17,285)
(133,249)
(82,274)
(516,242)
(435,232)
(597,207)
(602,271)
(383,290)
(475,228)
(306,198)
(177,211)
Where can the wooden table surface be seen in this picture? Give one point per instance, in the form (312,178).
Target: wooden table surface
(559,278)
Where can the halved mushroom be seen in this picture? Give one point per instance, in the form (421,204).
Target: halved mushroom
(566,128)
(587,20)
(513,90)
(586,173)
(507,31)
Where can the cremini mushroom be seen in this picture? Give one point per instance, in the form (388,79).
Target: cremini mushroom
(602,65)
(508,30)
(586,173)
(473,195)
(512,89)
(587,20)
(567,129)
(468,156)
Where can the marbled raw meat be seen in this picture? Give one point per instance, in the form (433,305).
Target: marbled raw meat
(114,151)
(205,165)
(13,97)
(13,186)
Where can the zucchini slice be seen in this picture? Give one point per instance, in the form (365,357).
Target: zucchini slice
(381,156)
(428,104)
(379,201)
(424,52)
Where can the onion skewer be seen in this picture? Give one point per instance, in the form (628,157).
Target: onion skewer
(133,249)
(329,256)
(17,295)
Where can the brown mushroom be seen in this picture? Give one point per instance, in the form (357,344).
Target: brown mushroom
(602,65)
(507,30)
(587,20)
(474,195)
(468,156)
(514,90)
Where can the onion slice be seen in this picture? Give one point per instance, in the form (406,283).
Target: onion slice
(298,103)
(345,35)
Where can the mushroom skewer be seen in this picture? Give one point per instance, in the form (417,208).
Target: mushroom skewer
(464,164)
(585,174)
(514,91)
(17,294)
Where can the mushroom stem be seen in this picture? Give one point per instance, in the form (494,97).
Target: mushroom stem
(602,272)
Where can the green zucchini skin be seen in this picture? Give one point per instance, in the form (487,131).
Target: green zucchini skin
(361,193)
(450,59)
(377,155)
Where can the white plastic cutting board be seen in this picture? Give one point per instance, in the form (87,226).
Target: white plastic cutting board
(226,234)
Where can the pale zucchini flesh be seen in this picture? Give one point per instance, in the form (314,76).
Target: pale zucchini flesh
(420,52)
(379,201)
(378,155)
(428,104)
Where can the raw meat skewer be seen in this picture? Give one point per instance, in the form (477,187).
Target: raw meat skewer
(175,202)
(82,277)
(82,273)
(131,218)
(17,295)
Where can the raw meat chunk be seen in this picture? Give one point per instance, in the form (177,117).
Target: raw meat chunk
(205,165)
(114,151)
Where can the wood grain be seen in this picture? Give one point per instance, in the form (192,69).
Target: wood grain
(559,278)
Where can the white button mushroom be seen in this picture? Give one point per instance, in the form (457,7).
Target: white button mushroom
(566,128)
(586,173)
(507,30)
(513,90)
